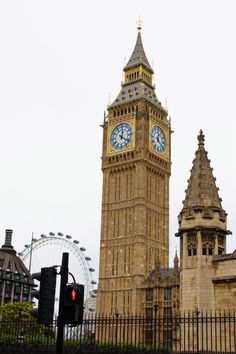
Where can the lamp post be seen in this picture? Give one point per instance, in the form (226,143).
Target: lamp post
(155,323)
(197,312)
(117,315)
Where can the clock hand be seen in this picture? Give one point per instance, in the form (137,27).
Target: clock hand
(121,135)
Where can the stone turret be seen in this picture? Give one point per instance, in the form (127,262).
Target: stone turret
(202,204)
(202,232)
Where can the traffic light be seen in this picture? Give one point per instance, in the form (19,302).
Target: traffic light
(45,295)
(73,307)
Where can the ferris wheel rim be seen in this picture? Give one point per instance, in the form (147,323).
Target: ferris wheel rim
(72,245)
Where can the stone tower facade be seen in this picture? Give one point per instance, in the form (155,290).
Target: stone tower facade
(202,232)
(135,199)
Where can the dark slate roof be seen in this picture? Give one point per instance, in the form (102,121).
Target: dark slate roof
(138,57)
(8,259)
(201,190)
(163,273)
(136,90)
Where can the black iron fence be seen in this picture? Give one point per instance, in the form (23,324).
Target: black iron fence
(190,333)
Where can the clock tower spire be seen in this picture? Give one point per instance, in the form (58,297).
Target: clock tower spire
(135,198)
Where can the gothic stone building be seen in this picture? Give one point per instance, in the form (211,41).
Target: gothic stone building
(208,273)
(134,277)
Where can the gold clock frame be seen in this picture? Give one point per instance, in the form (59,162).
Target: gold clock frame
(131,146)
(166,153)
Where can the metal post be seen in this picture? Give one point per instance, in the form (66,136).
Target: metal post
(197,314)
(31,250)
(117,315)
(60,325)
(155,325)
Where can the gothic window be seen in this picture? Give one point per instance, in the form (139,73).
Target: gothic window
(130,224)
(167,311)
(125,260)
(149,312)
(129,260)
(192,250)
(116,301)
(167,294)
(117,257)
(192,244)
(149,295)
(113,263)
(207,249)
(112,302)
(221,240)
(128,301)
(124,302)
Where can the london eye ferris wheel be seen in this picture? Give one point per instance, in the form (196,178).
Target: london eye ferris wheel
(46,251)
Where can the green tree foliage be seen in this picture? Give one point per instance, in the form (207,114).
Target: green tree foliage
(16,311)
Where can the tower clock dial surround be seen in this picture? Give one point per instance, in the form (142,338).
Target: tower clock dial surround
(158,139)
(121,136)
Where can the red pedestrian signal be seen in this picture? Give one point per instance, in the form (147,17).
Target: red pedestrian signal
(73,304)
(73,295)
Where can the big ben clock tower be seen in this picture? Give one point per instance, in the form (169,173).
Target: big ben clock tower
(135,198)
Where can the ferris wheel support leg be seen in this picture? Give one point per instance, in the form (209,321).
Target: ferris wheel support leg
(60,325)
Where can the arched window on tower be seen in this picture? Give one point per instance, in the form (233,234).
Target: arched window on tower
(192,249)
(207,249)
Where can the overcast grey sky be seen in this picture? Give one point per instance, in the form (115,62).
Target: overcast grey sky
(59,63)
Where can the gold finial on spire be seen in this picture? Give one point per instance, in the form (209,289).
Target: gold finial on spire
(139,24)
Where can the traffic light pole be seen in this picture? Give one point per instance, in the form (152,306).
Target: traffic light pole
(60,325)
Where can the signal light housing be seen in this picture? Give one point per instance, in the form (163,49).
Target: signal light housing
(45,295)
(73,307)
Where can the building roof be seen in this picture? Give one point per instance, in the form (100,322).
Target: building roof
(201,190)
(9,261)
(160,274)
(136,90)
(138,57)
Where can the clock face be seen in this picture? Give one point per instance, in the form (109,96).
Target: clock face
(121,136)
(158,139)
